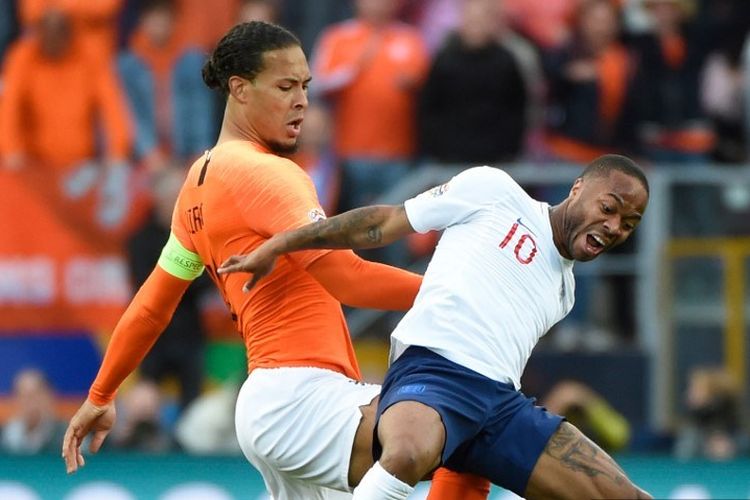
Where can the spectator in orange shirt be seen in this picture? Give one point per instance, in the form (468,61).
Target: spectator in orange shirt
(63,137)
(158,68)
(370,68)
(94,22)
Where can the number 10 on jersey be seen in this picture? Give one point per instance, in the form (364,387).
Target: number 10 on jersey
(524,240)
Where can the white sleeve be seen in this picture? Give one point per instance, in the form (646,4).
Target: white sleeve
(458,199)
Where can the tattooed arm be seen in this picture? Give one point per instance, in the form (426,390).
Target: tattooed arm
(366,227)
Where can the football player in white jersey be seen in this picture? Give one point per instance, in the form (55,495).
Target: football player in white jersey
(500,277)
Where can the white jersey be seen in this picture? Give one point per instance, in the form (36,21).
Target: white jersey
(496,282)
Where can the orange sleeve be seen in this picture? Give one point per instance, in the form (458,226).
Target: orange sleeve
(114,113)
(14,95)
(360,283)
(140,325)
(448,485)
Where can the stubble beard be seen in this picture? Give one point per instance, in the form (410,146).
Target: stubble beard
(283,149)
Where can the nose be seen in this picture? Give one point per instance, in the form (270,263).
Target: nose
(301,101)
(613,226)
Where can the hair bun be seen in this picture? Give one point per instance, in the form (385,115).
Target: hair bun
(210,76)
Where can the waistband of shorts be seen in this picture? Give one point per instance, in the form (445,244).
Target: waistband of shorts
(416,351)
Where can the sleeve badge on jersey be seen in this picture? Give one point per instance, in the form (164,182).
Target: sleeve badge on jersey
(438,190)
(316,214)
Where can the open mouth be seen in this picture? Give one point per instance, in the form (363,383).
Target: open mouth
(595,243)
(293,127)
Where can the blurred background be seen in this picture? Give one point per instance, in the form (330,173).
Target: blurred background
(102,109)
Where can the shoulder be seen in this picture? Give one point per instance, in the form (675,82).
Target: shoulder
(487,183)
(243,162)
(486,175)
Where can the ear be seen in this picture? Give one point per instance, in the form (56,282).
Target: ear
(238,88)
(576,187)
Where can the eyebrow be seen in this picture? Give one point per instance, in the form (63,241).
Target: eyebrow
(621,202)
(292,79)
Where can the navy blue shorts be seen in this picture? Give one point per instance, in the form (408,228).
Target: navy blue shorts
(491,429)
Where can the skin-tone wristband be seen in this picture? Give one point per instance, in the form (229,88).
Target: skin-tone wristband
(179,261)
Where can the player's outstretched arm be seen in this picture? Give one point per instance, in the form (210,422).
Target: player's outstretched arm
(366,227)
(141,324)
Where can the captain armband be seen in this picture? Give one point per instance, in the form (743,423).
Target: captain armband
(179,261)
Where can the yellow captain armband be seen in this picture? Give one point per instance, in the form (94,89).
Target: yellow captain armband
(179,261)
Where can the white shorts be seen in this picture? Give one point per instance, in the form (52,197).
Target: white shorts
(297,427)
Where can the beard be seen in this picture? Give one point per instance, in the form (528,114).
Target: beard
(283,149)
(572,226)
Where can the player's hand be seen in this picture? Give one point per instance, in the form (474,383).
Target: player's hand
(88,418)
(259,262)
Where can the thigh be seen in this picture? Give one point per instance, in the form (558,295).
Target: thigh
(415,428)
(448,399)
(302,422)
(572,466)
(510,443)
(361,454)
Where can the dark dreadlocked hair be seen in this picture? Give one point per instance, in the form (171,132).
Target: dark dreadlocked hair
(240,52)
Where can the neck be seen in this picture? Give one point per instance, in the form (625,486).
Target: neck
(233,128)
(557,221)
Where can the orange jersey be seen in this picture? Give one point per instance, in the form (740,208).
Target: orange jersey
(232,201)
(374,112)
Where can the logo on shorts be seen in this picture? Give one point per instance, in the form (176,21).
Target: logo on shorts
(316,214)
(411,389)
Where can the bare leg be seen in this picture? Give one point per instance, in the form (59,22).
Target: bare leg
(361,457)
(574,467)
(412,436)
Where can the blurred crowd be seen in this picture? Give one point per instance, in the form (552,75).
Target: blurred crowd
(107,97)
(709,428)
(94,90)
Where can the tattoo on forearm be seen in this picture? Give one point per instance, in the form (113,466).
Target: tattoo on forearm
(353,229)
(374,235)
(579,454)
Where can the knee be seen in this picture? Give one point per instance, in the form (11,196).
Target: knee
(408,461)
